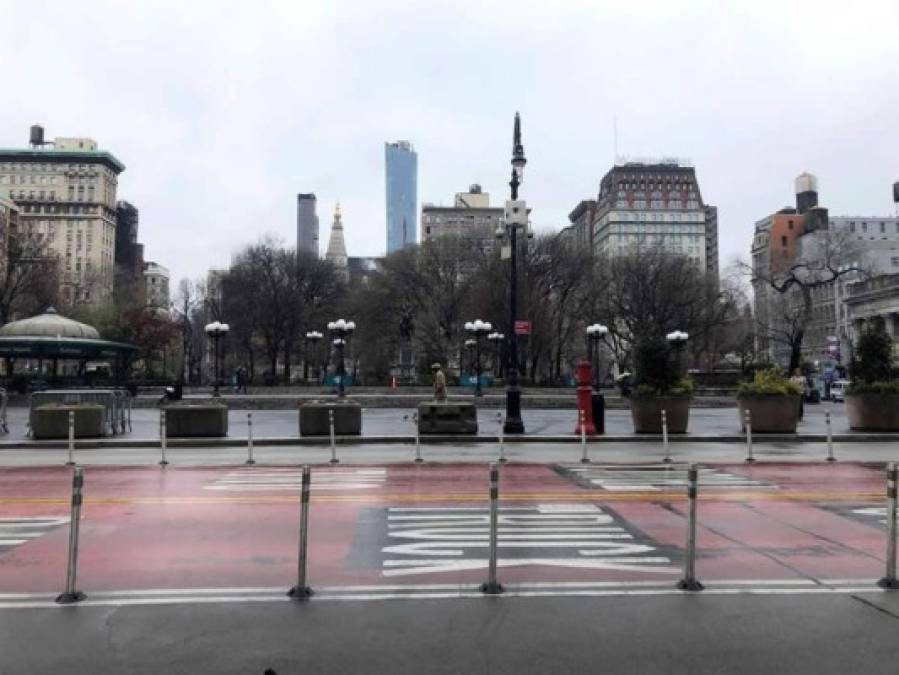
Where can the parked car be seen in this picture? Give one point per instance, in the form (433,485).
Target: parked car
(838,390)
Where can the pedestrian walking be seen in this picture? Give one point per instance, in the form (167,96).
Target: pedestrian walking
(439,382)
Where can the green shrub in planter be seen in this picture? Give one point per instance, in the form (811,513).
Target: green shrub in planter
(768,382)
(659,386)
(872,398)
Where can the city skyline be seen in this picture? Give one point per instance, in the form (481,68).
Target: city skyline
(218,146)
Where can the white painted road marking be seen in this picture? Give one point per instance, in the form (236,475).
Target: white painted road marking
(449,539)
(17,531)
(879,512)
(290,479)
(656,477)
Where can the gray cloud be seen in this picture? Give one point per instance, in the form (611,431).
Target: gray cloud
(222,111)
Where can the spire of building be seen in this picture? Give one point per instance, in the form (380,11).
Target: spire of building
(336,253)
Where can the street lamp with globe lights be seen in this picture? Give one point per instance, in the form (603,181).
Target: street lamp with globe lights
(478,329)
(312,336)
(216,331)
(677,339)
(595,333)
(341,330)
(515,218)
(496,339)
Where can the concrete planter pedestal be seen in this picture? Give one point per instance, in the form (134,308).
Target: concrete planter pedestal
(196,420)
(52,421)
(441,417)
(347,418)
(873,412)
(770,414)
(646,414)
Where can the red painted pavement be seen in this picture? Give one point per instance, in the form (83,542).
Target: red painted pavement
(147,528)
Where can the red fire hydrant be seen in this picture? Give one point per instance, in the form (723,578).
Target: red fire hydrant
(584,405)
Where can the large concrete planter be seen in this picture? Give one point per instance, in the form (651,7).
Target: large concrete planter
(314,418)
(772,414)
(52,421)
(196,420)
(873,412)
(647,414)
(447,418)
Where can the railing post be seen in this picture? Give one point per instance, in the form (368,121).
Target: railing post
(690,582)
(302,591)
(748,423)
(71,461)
(830,457)
(492,586)
(418,458)
(71,593)
(665,446)
(250,459)
(585,459)
(163,438)
(502,438)
(334,459)
(889,581)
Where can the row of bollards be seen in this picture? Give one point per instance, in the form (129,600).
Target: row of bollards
(491,586)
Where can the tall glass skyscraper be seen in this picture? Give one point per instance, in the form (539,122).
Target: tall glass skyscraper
(401,172)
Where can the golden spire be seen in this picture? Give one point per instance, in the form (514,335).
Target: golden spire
(337,210)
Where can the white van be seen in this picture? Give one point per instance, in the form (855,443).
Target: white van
(838,390)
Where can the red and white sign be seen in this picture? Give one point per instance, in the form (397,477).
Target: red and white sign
(522,328)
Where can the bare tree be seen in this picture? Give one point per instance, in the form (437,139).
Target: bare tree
(29,276)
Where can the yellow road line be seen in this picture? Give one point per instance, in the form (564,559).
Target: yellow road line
(405,498)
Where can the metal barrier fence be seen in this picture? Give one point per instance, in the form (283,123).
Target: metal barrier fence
(117,403)
(492,586)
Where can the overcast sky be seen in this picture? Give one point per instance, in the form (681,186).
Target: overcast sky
(223,111)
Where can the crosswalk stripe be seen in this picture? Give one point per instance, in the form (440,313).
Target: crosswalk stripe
(272,480)
(656,478)
(18,531)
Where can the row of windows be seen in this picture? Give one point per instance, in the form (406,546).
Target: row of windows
(864,226)
(16,167)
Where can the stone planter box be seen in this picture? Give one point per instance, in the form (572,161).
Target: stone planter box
(775,414)
(52,421)
(196,420)
(873,412)
(646,414)
(447,418)
(347,418)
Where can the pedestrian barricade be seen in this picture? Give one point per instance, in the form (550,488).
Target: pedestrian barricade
(117,403)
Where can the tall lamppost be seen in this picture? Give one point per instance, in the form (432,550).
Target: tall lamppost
(341,330)
(216,331)
(515,218)
(496,339)
(677,339)
(312,336)
(478,329)
(595,333)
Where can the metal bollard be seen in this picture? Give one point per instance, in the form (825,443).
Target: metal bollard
(584,458)
(502,439)
(749,458)
(71,594)
(418,458)
(334,459)
(665,446)
(71,461)
(889,581)
(250,459)
(690,582)
(163,438)
(830,457)
(301,591)
(491,586)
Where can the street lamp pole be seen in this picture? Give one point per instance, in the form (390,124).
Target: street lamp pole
(516,216)
(342,329)
(312,336)
(677,339)
(478,329)
(216,331)
(496,340)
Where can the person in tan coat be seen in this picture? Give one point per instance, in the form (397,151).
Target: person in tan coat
(439,382)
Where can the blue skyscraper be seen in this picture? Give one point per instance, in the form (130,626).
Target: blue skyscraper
(401,172)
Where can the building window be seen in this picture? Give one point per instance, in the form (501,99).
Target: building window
(864,227)
(883,228)
(783,240)
(852,227)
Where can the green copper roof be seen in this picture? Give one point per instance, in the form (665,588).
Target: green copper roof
(63,156)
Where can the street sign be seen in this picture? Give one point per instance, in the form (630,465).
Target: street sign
(522,328)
